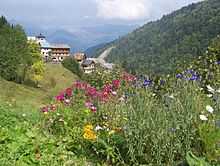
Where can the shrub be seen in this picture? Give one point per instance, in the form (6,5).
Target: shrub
(72,65)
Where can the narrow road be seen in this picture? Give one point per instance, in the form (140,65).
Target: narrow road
(101,58)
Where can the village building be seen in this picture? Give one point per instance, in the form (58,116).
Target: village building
(59,52)
(88,66)
(51,52)
(80,57)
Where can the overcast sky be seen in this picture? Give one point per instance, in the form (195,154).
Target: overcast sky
(77,13)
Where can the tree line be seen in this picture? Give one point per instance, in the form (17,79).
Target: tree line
(20,60)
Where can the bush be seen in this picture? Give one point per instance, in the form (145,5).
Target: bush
(72,65)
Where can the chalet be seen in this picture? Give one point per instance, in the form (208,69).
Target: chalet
(80,57)
(51,52)
(59,52)
(88,66)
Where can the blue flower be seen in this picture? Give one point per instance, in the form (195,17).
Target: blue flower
(218,62)
(147,82)
(190,71)
(194,77)
(179,76)
(162,82)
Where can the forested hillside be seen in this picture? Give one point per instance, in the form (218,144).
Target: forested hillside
(159,46)
(20,60)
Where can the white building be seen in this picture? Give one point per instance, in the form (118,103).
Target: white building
(54,52)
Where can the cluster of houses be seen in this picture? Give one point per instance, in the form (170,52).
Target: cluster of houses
(56,53)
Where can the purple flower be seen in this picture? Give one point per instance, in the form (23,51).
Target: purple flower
(179,76)
(194,77)
(218,62)
(162,82)
(147,82)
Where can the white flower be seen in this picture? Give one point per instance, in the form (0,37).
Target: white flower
(171,96)
(210,89)
(122,99)
(24,115)
(67,101)
(203,117)
(114,93)
(97,128)
(209,95)
(209,109)
(218,91)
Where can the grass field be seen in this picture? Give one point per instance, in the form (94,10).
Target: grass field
(56,78)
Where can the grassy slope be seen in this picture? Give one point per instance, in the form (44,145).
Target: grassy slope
(56,78)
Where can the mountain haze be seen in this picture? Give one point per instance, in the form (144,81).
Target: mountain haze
(81,38)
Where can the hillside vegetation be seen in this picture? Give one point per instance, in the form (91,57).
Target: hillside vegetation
(55,79)
(121,119)
(159,46)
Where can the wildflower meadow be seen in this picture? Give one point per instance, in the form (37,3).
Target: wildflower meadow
(115,118)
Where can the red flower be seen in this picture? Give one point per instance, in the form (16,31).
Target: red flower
(60,97)
(107,88)
(116,83)
(69,92)
(91,92)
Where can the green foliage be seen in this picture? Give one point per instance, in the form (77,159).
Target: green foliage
(22,143)
(34,66)
(18,58)
(72,65)
(179,37)
(192,160)
(160,133)
(12,50)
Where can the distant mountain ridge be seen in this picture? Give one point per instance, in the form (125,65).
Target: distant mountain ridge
(159,46)
(82,38)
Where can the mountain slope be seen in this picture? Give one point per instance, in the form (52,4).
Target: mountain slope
(56,79)
(158,46)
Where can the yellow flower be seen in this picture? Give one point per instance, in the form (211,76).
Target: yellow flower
(111,132)
(89,134)
(88,128)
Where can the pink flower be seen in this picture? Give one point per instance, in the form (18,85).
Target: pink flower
(128,77)
(88,104)
(103,96)
(80,85)
(53,107)
(69,92)
(93,109)
(116,83)
(60,97)
(107,88)
(45,109)
(91,92)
